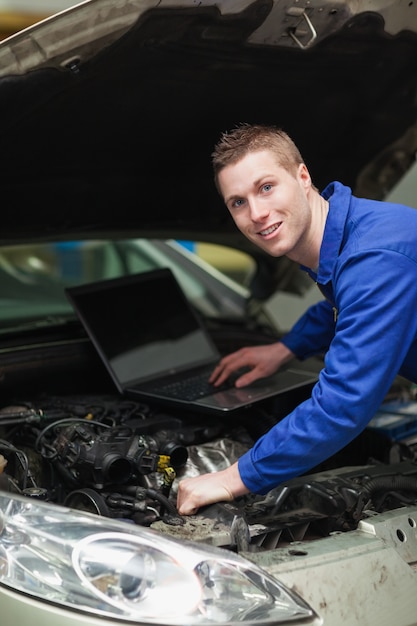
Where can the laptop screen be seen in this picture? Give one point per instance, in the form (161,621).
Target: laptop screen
(143,326)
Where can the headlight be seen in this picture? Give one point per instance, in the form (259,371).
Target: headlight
(114,569)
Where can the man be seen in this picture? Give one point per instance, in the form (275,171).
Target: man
(363,256)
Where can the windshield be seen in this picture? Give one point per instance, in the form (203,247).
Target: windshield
(33,277)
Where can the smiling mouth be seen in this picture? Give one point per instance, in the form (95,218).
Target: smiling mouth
(270,229)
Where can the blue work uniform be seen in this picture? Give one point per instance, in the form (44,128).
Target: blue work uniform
(367,326)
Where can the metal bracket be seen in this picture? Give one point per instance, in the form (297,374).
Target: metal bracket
(300,12)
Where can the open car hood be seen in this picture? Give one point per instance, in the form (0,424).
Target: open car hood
(110,110)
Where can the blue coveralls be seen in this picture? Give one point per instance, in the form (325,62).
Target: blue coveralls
(367,327)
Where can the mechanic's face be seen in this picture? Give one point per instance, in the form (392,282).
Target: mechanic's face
(268,204)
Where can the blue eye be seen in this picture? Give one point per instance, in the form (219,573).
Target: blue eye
(238,203)
(267,187)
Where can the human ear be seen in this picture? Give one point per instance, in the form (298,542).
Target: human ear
(304,176)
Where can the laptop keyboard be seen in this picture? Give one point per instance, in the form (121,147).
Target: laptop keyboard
(193,388)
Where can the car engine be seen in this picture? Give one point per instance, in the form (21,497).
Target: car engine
(121,459)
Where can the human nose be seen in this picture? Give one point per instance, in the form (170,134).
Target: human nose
(258,209)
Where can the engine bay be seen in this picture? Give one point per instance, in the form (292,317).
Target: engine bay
(122,459)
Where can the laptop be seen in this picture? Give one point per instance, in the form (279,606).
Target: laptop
(152,343)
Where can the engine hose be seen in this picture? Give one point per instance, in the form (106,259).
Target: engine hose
(394,482)
(12,421)
(166,503)
(386,484)
(65,474)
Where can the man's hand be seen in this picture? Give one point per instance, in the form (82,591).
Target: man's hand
(209,488)
(262,361)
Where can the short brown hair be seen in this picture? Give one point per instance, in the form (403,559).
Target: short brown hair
(235,144)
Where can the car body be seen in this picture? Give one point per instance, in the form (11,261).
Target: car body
(110,111)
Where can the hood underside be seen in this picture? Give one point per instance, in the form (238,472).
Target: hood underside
(111,131)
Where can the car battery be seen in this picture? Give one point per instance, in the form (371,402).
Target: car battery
(396,422)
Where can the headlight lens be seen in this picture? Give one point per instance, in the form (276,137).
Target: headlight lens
(118,570)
